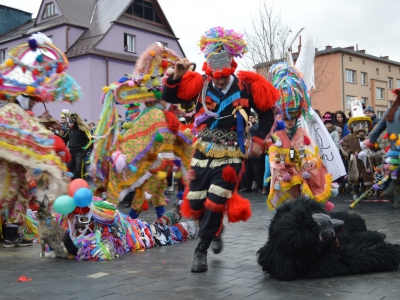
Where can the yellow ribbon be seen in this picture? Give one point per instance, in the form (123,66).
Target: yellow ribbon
(242,112)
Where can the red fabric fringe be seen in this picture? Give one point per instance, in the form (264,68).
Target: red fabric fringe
(306,140)
(229,174)
(186,210)
(264,93)
(239,209)
(214,207)
(241,102)
(197,214)
(190,86)
(172,121)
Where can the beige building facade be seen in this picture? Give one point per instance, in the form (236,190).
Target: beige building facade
(346,73)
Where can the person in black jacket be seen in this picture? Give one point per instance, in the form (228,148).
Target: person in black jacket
(79,140)
(369,112)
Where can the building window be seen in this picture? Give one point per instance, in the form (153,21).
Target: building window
(348,100)
(143,9)
(390,83)
(3,55)
(398,83)
(164,44)
(129,42)
(363,62)
(380,93)
(350,58)
(350,76)
(380,114)
(49,10)
(364,100)
(390,103)
(363,78)
(377,71)
(389,68)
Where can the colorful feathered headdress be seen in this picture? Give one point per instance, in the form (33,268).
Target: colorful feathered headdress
(219,47)
(37,69)
(294,99)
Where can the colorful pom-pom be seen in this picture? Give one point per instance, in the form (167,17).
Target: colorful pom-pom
(9,63)
(277,186)
(152,53)
(393,137)
(161,175)
(60,68)
(329,206)
(178,175)
(145,206)
(120,138)
(280,125)
(179,195)
(123,79)
(39,58)
(159,137)
(287,177)
(164,64)
(306,175)
(132,168)
(23,69)
(32,44)
(30,90)
(127,125)
(386,136)
(375,186)
(131,83)
(177,162)
(105,89)
(146,77)
(307,140)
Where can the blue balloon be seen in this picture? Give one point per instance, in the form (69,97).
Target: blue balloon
(64,205)
(83,197)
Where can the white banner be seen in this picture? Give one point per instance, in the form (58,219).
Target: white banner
(327,149)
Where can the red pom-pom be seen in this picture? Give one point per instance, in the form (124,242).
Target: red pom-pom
(306,140)
(1,81)
(164,64)
(386,136)
(23,69)
(145,206)
(186,210)
(226,72)
(217,75)
(172,120)
(190,86)
(30,113)
(35,72)
(229,174)
(48,68)
(81,210)
(387,148)
(205,66)
(264,93)
(329,206)
(60,68)
(239,209)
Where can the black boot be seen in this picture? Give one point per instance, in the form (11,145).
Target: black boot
(217,243)
(12,238)
(200,256)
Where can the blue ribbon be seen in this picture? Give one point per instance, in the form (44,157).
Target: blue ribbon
(240,131)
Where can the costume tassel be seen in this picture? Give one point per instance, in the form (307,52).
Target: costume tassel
(239,208)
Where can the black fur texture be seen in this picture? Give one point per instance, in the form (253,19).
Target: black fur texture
(294,249)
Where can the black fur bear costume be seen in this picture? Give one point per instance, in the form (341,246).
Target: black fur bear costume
(307,242)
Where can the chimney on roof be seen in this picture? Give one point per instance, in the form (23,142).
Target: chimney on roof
(385,57)
(350,48)
(361,51)
(298,48)
(328,47)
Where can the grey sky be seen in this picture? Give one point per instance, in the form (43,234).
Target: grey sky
(372,24)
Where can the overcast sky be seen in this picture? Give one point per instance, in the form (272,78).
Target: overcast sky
(372,24)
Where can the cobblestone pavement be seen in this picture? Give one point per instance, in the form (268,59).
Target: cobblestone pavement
(164,272)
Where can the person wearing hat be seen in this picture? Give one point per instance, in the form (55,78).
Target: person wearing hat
(27,147)
(360,168)
(222,140)
(369,112)
(296,166)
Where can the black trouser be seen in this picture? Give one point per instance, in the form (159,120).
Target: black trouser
(207,196)
(254,171)
(77,163)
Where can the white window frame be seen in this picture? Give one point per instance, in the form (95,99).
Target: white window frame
(398,83)
(350,75)
(380,114)
(364,78)
(365,100)
(390,83)
(380,93)
(130,40)
(348,99)
(3,55)
(49,10)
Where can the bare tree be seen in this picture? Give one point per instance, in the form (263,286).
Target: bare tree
(268,41)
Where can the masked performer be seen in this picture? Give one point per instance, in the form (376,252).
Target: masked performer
(33,73)
(296,167)
(360,169)
(221,144)
(139,159)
